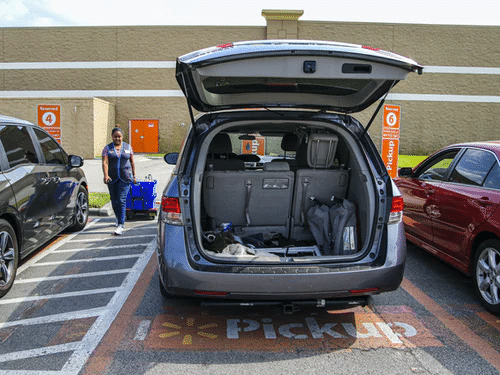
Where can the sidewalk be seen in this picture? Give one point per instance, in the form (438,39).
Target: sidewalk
(106,210)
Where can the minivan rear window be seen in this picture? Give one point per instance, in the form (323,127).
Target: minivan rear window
(240,85)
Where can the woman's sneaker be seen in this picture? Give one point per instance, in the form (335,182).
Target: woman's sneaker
(119,230)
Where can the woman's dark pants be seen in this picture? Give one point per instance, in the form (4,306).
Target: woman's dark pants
(118,191)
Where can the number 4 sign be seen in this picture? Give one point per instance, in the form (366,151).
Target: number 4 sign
(49,115)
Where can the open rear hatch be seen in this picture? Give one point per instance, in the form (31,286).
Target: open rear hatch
(288,73)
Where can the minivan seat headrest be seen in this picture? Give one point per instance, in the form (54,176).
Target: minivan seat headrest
(277,166)
(289,142)
(221,144)
(321,150)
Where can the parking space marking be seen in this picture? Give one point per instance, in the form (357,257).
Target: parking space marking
(187,329)
(482,347)
(81,249)
(55,318)
(142,330)
(81,330)
(42,254)
(6,301)
(121,237)
(99,259)
(73,276)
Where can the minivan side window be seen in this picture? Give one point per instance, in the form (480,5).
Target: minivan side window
(17,144)
(52,153)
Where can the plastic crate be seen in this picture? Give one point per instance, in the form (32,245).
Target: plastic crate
(142,196)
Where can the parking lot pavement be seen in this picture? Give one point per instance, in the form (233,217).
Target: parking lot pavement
(67,295)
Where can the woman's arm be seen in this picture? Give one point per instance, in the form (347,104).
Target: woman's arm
(105,166)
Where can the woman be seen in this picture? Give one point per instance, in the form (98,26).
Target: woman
(119,171)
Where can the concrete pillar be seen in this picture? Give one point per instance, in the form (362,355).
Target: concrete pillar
(282,24)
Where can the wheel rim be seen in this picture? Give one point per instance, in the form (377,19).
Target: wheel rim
(81,208)
(488,275)
(7,258)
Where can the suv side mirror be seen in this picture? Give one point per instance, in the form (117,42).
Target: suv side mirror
(75,161)
(171,158)
(405,172)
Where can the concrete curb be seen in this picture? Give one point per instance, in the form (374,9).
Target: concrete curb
(105,210)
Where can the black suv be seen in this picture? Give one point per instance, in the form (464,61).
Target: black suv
(42,192)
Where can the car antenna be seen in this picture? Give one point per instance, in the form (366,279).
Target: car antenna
(378,108)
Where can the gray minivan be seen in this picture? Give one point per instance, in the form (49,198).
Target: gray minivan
(42,192)
(278,194)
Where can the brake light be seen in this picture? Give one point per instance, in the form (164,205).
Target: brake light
(371,48)
(225,45)
(396,210)
(171,211)
(366,290)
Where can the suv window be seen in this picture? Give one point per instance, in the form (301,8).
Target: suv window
(473,167)
(52,153)
(18,145)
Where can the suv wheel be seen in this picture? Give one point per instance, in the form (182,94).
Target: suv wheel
(487,274)
(81,210)
(9,257)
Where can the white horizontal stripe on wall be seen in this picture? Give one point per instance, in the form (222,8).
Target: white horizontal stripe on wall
(171,65)
(91,94)
(461,70)
(89,65)
(445,98)
(178,93)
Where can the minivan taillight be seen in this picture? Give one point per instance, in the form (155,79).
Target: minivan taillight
(396,210)
(171,211)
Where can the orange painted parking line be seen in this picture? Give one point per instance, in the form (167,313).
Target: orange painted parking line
(102,357)
(492,320)
(480,346)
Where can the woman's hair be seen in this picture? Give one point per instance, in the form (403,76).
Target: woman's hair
(117,129)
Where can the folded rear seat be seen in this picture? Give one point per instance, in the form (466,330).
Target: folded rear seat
(319,180)
(250,199)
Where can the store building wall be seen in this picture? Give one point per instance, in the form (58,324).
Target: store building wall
(85,123)
(133,69)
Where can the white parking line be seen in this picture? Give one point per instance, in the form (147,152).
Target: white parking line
(98,248)
(13,356)
(121,237)
(105,315)
(72,276)
(7,301)
(102,324)
(142,330)
(55,318)
(43,254)
(41,264)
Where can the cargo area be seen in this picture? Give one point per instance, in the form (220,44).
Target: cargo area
(273,195)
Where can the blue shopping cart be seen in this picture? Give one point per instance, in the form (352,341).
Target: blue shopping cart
(141,199)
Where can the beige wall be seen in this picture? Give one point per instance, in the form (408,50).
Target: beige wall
(104,122)
(82,121)
(426,125)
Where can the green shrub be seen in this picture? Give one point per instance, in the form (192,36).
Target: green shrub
(98,200)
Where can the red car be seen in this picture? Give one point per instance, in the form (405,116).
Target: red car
(452,210)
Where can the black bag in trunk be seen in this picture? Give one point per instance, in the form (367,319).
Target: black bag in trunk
(334,226)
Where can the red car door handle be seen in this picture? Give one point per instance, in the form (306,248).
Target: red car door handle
(485,201)
(430,192)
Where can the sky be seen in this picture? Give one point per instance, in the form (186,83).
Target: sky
(39,13)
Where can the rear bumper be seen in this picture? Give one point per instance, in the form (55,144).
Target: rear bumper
(180,278)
